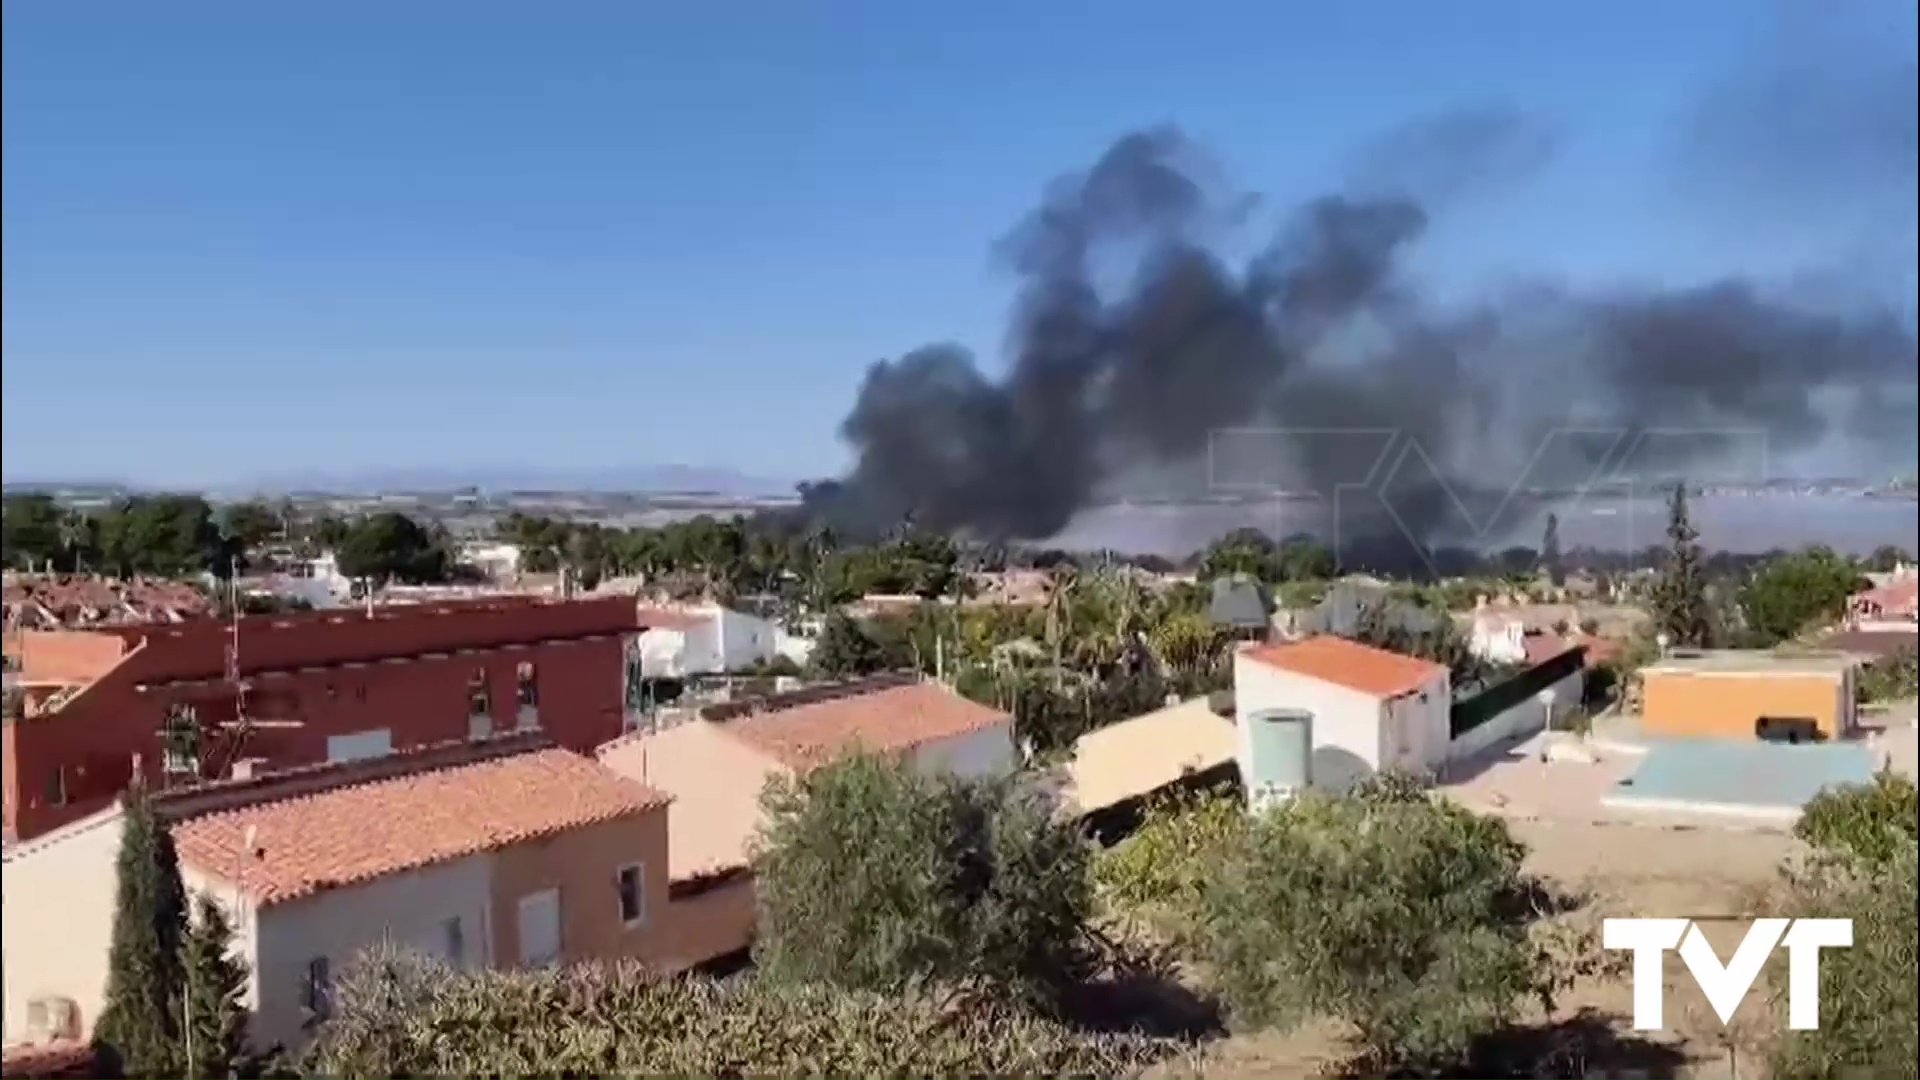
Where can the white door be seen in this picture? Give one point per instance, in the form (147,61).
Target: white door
(360,745)
(540,928)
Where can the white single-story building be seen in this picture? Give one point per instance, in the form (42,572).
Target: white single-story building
(707,639)
(1371,710)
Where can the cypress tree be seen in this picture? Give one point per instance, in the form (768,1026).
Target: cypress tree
(1550,552)
(1680,597)
(139,1028)
(216,985)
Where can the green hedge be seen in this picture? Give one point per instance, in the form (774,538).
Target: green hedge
(1500,697)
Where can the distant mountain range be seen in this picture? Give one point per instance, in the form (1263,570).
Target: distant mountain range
(649,479)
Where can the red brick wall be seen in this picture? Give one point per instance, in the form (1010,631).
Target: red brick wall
(422,699)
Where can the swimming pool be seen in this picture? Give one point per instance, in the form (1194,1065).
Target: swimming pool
(1741,777)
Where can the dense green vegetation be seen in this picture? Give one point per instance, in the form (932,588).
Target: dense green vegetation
(174,1002)
(1866,868)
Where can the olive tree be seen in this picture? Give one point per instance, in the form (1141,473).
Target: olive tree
(1404,916)
(875,877)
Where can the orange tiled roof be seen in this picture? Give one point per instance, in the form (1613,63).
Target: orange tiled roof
(61,1057)
(891,717)
(1350,664)
(349,835)
(90,600)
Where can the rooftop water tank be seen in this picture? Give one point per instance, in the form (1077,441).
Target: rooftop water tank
(1280,747)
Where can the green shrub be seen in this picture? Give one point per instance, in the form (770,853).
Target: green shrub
(1873,822)
(874,877)
(402,1015)
(1164,866)
(1404,916)
(1893,678)
(1870,992)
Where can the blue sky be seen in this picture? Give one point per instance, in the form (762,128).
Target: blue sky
(245,239)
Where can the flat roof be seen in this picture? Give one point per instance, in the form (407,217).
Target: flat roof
(1140,756)
(1750,662)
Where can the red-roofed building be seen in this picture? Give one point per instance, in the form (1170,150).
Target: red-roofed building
(499,852)
(48,1060)
(205,698)
(715,767)
(1891,604)
(1371,710)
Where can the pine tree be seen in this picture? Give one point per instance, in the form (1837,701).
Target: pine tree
(1550,552)
(1680,597)
(216,985)
(139,1027)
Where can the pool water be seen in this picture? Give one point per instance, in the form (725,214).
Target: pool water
(1755,774)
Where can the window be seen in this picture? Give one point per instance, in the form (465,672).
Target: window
(479,696)
(527,690)
(180,742)
(540,928)
(454,937)
(632,886)
(57,786)
(318,995)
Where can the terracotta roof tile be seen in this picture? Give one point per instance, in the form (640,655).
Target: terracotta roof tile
(61,1057)
(1541,647)
(349,835)
(893,717)
(1350,664)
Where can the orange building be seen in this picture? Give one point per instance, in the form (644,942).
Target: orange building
(1738,694)
(206,699)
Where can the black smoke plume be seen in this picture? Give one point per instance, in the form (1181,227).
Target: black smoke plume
(1136,349)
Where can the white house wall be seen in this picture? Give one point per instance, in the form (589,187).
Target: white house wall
(407,909)
(1347,724)
(1425,717)
(58,894)
(987,752)
(748,640)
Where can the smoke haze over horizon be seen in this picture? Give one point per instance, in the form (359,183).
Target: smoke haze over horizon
(1139,347)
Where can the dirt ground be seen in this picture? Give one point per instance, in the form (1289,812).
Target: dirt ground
(1621,869)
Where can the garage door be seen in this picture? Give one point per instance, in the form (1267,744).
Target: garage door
(540,928)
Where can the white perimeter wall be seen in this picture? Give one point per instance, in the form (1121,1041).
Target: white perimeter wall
(1522,720)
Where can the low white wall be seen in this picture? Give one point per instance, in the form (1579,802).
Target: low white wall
(984,753)
(1520,721)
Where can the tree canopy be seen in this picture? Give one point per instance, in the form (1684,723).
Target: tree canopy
(1679,601)
(139,1029)
(390,546)
(1794,592)
(872,876)
(1402,915)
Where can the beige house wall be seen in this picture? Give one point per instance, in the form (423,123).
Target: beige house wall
(57,894)
(584,864)
(716,922)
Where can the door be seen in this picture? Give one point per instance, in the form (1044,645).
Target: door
(540,928)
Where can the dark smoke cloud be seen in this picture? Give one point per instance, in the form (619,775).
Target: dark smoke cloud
(1323,344)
